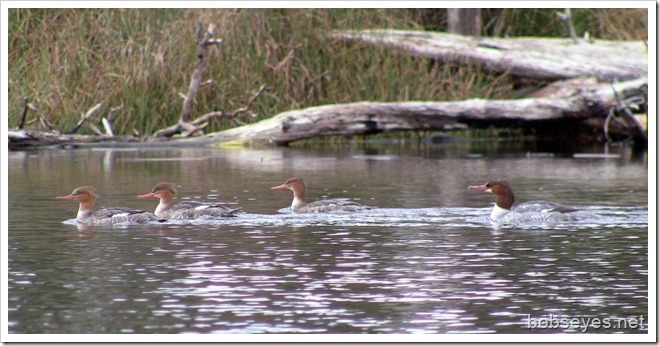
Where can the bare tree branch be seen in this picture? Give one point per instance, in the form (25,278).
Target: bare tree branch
(45,123)
(197,71)
(113,111)
(566,17)
(203,40)
(234,114)
(95,129)
(21,122)
(247,107)
(107,122)
(90,113)
(637,130)
(107,126)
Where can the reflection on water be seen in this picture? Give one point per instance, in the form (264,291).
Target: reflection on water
(426,260)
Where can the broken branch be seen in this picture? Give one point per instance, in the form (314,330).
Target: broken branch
(21,122)
(566,17)
(197,72)
(44,122)
(90,113)
(637,130)
(203,40)
(234,114)
(107,126)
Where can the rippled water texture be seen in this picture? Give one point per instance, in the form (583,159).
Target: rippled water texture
(425,260)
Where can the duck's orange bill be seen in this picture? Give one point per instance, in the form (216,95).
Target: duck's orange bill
(478,187)
(279,187)
(66,198)
(147,195)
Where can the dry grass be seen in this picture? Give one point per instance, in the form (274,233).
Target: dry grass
(67,60)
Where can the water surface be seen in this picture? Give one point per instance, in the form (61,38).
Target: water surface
(426,260)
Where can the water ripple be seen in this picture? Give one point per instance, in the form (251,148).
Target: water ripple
(607,217)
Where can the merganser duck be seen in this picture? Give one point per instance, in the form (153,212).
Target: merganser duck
(185,210)
(297,185)
(105,216)
(526,212)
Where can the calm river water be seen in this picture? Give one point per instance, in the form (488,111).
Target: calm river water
(426,260)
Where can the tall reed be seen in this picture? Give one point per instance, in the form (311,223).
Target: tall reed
(67,60)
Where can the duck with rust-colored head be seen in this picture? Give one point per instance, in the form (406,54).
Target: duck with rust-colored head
(298,186)
(167,209)
(542,211)
(105,216)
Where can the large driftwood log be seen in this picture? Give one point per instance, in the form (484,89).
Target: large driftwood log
(587,99)
(537,58)
(574,101)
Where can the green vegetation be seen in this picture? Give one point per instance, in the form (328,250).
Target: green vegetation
(67,60)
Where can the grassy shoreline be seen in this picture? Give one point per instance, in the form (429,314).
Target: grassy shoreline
(64,61)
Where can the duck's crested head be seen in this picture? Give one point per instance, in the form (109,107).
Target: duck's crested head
(503,192)
(161,190)
(83,193)
(164,187)
(293,184)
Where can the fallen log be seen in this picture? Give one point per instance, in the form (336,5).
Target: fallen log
(587,99)
(576,101)
(530,57)
(28,138)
